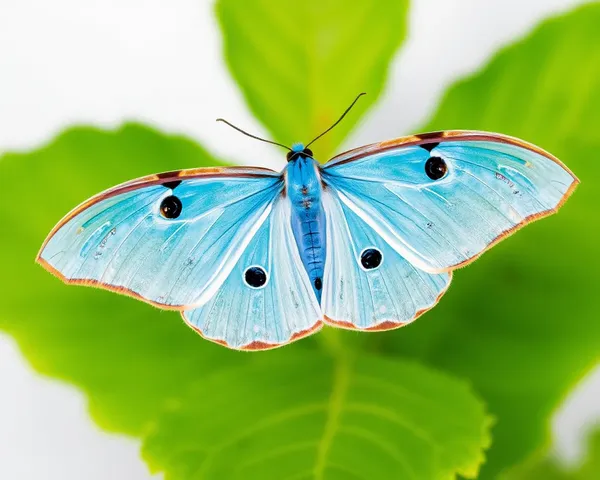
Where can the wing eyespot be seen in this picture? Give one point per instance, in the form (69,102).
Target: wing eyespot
(371,258)
(170,207)
(436,168)
(255,277)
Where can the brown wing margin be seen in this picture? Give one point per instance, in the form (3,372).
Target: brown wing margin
(387,324)
(257,345)
(159,179)
(440,137)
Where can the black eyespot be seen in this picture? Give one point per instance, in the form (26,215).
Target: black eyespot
(256,277)
(170,207)
(318,283)
(435,168)
(371,258)
(307,152)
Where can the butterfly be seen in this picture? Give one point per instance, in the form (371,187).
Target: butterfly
(254,259)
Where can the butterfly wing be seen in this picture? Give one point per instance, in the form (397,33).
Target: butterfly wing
(121,241)
(380,295)
(492,185)
(281,310)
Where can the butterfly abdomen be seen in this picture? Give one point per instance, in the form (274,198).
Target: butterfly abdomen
(303,188)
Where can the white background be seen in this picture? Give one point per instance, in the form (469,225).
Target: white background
(159,61)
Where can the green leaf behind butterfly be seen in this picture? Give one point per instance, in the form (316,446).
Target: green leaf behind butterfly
(300,64)
(522,322)
(290,416)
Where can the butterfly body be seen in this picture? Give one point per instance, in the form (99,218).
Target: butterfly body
(303,186)
(255,259)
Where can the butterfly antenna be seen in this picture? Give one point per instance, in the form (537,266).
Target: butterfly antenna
(252,136)
(339,119)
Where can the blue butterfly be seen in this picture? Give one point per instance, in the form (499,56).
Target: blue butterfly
(255,259)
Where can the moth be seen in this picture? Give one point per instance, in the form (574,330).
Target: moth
(254,259)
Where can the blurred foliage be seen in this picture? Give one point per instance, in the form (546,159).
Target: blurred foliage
(520,325)
(549,468)
(314,416)
(300,64)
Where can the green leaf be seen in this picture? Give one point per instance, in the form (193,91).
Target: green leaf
(522,322)
(549,468)
(129,357)
(300,64)
(298,417)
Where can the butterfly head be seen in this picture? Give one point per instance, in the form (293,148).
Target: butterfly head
(298,150)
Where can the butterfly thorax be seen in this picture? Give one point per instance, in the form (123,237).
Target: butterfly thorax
(303,189)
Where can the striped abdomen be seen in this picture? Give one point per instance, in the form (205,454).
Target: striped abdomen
(303,187)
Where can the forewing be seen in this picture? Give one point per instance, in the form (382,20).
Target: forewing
(494,184)
(284,309)
(120,241)
(381,298)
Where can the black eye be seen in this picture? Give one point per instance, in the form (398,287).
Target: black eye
(290,155)
(318,283)
(435,168)
(170,207)
(371,258)
(307,152)
(256,277)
